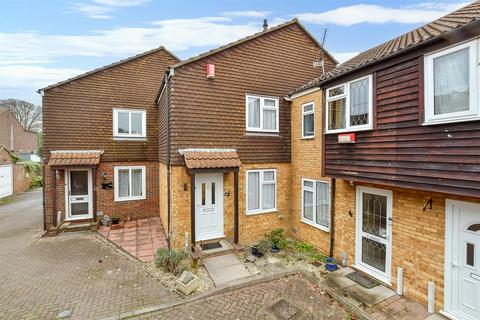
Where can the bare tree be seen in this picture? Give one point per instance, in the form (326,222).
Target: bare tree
(28,114)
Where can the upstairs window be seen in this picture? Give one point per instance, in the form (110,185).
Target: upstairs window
(308,120)
(451,80)
(129,123)
(349,106)
(262,113)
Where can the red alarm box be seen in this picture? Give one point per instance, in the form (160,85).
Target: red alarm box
(210,71)
(346,138)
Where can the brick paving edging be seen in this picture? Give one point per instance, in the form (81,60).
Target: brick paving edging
(247,282)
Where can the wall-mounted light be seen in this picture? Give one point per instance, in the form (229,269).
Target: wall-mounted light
(57,174)
(103,175)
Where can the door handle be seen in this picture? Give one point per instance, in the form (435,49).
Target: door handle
(475,276)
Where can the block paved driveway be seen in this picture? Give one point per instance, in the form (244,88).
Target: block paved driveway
(258,302)
(38,279)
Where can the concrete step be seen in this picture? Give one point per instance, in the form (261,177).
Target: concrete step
(75,226)
(226,248)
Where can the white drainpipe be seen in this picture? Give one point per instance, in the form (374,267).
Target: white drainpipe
(400,281)
(431,297)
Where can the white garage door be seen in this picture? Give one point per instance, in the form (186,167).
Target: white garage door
(6,180)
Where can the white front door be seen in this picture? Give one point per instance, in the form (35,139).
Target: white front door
(373,245)
(6,180)
(208,206)
(462,260)
(78,194)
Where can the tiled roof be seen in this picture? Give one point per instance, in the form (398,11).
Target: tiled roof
(434,29)
(253,36)
(211,159)
(75,158)
(161,48)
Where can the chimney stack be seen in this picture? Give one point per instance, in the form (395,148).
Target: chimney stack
(265,25)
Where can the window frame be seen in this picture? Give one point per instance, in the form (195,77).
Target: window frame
(314,223)
(263,107)
(116,186)
(122,135)
(429,108)
(305,113)
(262,182)
(346,96)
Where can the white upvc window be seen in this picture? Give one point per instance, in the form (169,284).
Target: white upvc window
(130,183)
(316,203)
(349,106)
(451,84)
(261,191)
(262,113)
(308,120)
(129,123)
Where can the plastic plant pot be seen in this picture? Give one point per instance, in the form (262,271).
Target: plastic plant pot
(275,248)
(331,264)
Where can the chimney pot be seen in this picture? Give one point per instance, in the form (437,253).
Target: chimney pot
(265,25)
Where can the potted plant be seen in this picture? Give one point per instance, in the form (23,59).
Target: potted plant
(276,236)
(115,218)
(330,264)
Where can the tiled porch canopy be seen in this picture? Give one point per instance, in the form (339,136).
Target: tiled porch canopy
(211,159)
(62,158)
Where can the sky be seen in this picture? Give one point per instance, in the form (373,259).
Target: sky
(46,41)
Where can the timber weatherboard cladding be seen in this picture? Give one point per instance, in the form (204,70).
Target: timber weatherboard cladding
(211,113)
(79,115)
(401,151)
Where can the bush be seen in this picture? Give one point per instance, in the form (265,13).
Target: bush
(36,182)
(276,237)
(264,245)
(172,261)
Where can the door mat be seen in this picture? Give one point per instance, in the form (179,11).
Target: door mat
(363,280)
(210,246)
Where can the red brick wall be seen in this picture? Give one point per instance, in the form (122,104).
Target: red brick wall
(21,179)
(148,207)
(22,140)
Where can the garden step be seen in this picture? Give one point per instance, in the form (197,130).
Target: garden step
(226,248)
(75,226)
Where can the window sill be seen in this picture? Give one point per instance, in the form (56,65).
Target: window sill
(451,120)
(129,138)
(129,199)
(308,138)
(261,212)
(325,229)
(350,130)
(262,134)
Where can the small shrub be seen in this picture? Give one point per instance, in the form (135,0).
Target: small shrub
(264,245)
(304,247)
(276,236)
(36,182)
(172,261)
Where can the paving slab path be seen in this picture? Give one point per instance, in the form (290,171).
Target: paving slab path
(75,271)
(225,268)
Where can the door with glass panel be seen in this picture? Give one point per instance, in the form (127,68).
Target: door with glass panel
(463,269)
(209,206)
(374,232)
(78,194)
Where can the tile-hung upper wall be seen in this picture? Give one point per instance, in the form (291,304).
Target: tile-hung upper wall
(211,113)
(79,114)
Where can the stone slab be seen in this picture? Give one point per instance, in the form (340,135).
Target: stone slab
(338,280)
(225,268)
(369,297)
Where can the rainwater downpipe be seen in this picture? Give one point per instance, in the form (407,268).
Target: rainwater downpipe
(169,210)
(332,217)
